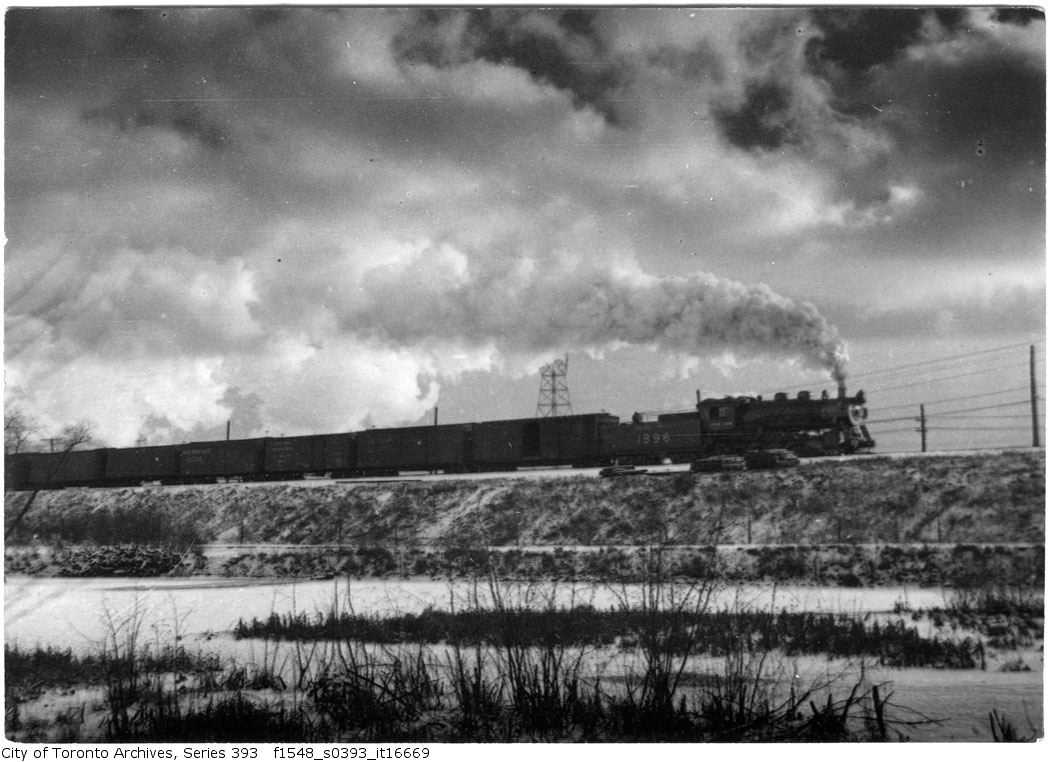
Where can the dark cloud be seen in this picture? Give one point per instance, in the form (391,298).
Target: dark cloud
(1019,16)
(972,131)
(987,104)
(762,121)
(38,39)
(950,18)
(951,133)
(262,91)
(432,36)
(235,83)
(560,47)
(106,48)
(699,62)
(266,16)
(183,117)
(858,55)
(201,55)
(858,39)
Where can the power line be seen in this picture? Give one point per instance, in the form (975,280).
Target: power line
(891,420)
(950,413)
(1025,417)
(946,372)
(943,400)
(1016,427)
(976,428)
(1004,348)
(875,379)
(950,378)
(892,370)
(984,407)
(916,403)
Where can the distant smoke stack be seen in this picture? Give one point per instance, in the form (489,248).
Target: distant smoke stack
(842,390)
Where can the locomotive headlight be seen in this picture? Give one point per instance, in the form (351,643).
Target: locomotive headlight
(857,414)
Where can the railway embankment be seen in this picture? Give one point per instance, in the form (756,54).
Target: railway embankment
(865,521)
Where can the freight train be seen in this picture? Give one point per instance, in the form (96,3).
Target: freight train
(729,425)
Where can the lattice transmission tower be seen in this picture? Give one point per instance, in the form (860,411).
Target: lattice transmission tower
(554,390)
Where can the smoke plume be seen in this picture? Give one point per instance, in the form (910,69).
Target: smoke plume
(436,296)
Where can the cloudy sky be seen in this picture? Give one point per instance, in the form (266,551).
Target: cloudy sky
(312,220)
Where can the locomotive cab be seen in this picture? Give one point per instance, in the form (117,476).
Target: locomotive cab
(719,415)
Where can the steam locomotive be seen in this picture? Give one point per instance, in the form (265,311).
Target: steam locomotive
(730,425)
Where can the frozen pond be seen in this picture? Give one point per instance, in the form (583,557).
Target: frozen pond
(78,612)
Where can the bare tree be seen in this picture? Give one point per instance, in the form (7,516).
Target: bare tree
(76,434)
(19,427)
(73,435)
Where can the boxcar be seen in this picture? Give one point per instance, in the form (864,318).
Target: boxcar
(295,456)
(413,448)
(340,453)
(385,451)
(134,465)
(76,467)
(652,441)
(447,446)
(16,470)
(235,458)
(504,444)
(574,439)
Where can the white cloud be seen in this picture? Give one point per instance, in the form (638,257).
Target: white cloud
(117,396)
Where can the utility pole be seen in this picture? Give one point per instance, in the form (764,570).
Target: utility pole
(922,425)
(1035,406)
(227,430)
(435,415)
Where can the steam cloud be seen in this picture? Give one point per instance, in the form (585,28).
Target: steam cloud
(435,297)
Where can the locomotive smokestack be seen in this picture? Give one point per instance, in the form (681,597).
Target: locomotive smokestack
(842,390)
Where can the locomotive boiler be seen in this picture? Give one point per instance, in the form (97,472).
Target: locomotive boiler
(802,424)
